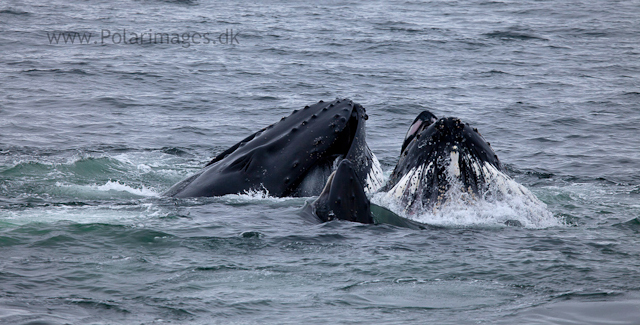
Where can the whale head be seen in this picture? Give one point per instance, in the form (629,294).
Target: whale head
(438,154)
(293,157)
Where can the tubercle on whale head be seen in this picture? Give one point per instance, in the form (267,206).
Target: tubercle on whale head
(464,139)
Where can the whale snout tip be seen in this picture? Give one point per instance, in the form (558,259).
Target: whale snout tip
(450,128)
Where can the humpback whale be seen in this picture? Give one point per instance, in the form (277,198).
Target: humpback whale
(447,167)
(293,157)
(436,155)
(321,151)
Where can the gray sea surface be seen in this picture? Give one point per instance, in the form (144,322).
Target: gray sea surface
(92,134)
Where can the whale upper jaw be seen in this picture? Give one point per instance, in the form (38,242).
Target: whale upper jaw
(442,154)
(293,157)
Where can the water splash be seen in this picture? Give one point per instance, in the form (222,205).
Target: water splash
(503,200)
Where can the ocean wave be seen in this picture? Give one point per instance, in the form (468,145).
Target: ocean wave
(114,186)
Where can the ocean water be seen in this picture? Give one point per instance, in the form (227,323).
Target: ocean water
(92,134)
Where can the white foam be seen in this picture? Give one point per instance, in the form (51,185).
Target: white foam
(117,186)
(504,199)
(136,215)
(113,186)
(256,196)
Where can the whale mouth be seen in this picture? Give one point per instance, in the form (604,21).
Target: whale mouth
(447,153)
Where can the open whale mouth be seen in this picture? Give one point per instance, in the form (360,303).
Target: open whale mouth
(437,156)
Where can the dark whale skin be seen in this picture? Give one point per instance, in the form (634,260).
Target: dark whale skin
(343,197)
(283,157)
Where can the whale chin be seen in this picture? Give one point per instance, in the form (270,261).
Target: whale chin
(439,157)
